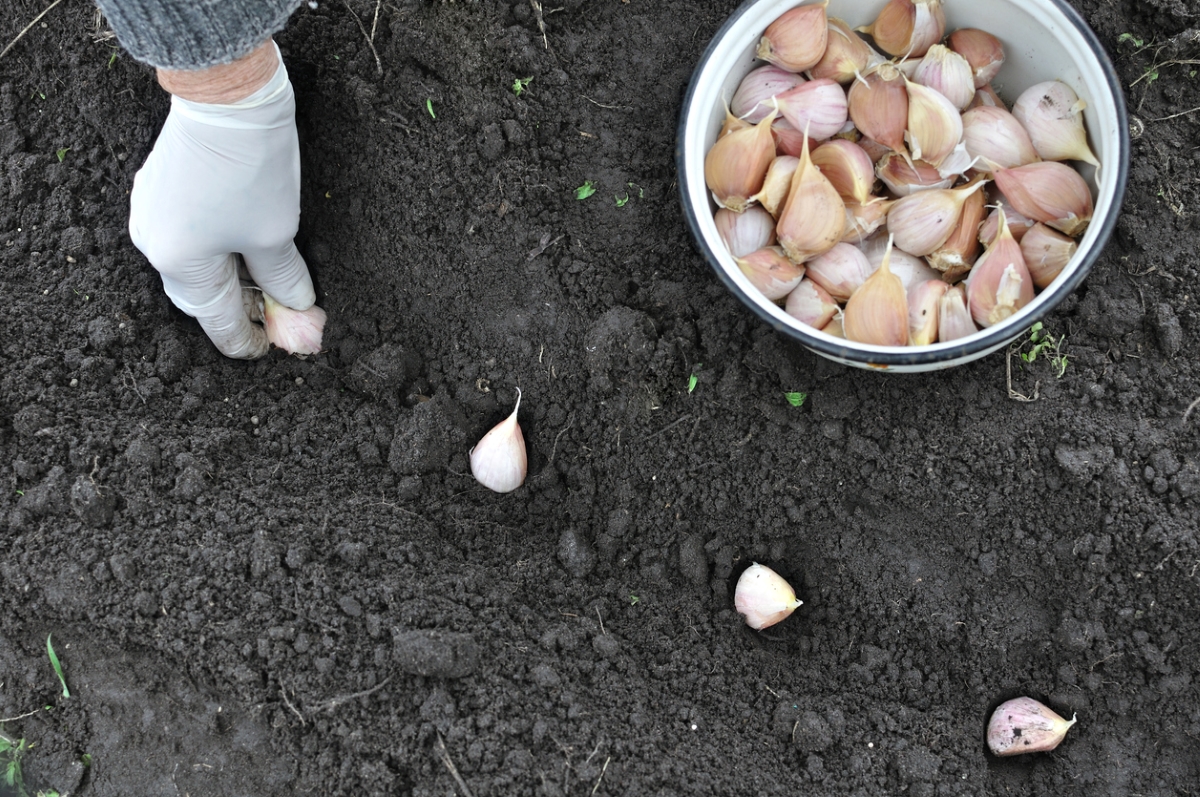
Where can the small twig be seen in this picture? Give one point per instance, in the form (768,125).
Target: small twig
(553,448)
(375,21)
(543,245)
(1174,115)
(667,428)
(1191,407)
(537,13)
(367,36)
(602,771)
(23,716)
(602,105)
(334,702)
(26,29)
(288,703)
(1012,394)
(601,619)
(445,756)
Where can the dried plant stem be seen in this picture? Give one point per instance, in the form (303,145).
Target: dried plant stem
(25,30)
(370,37)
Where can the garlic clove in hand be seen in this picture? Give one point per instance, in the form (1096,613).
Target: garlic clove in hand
(294,331)
(498,461)
(763,598)
(1023,725)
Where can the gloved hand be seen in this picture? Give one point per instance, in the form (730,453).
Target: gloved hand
(223,181)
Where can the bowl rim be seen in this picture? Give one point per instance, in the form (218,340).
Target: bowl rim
(992,338)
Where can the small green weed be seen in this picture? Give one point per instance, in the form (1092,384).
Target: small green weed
(58,670)
(795,399)
(694,379)
(622,201)
(633,600)
(520,85)
(1042,343)
(1129,37)
(586,190)
(62,153)
(11,752)
(112,59)
(429,107)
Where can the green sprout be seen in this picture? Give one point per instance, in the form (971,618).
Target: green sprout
(58,670)
(520,84)
(622,201)
(112,59)
(62,153)
(795,399)
(429,107)
(641,193)
(1129,37)
(694,378)
(633,600)
(1042,342)
(586,190)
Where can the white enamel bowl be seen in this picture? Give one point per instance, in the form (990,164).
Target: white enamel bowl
(1043,40)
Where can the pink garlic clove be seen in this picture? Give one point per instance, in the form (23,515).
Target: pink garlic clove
(1023,725)
(763,597)
(498,460)
(294,331)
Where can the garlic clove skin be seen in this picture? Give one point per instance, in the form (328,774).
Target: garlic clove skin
(745,232)
(954,317)
(908,27)
(294,331)
(814,215)
(797,39)
(903,177)
(923,301)
(862,220)
(810,304)
(736,165)
(771,272)
(1000,283)
(763,598)
(1023,725)
(1018,225)
(834,328)
(878,104)
(819,107)
(848,167)
(1050,192)
(1046,253)
(776,186)
(846,54)
(983,52)
(877,313)
(995,136)
(840,271)
(498,460)
(934,124)
(948,73)
(1052,113)
(752,100)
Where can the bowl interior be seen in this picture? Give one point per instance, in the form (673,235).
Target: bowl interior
(1043,40)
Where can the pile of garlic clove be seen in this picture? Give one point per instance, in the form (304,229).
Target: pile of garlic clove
(858,191)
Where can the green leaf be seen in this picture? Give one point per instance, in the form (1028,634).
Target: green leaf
(520,84)
(692,380)
(58,670)
(622,201)
(429,107)
(62,153)
(586,190)
(795,399)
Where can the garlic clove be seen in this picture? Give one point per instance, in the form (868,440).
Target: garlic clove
(909,268)
(956,255)
(876,151)
(934,124)
(848,167)
(796,40)
(752,100)
(922,222)
(877,313)
(814,215)
(878,104)
(763,598)
(294,331)
(818,107)
(1046,253)
(498,460)
(834,328)
(846,54)
(923,301)
(776,186)
(770,271)
(1053,114)
(954,317)
(987,96)
(1000,283)
(995,136)
(1023,725)
(948,73)
(903,176)
(736,165)
(789,140)
(1050,192)
(732,124)
(810,304)
(1018,225)
(840,271)
(908,27)
(983,52)
(862,220)
(745,232)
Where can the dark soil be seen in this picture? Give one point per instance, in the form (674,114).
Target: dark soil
(279,577)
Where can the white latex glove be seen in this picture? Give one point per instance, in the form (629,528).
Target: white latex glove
(224,180)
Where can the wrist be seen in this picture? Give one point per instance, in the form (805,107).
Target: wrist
(227,83)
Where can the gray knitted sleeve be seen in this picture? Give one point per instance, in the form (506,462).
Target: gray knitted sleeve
(194,34)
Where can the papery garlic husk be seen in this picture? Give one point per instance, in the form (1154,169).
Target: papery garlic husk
(789,140)
(923,302)
(777,184)
(810,304)
(1023,725)
(954,318)
(752,100)
(877,313)
(763,598)
(818,107)
(771,272)
(732,124)
(834,328)
(922,222)
(1046,253)
(983,52)
(745,232)
(862,220)
(987,96)
(796,40)
(294,331)
(1018,225)
(1053,114)
(848,167)
(908,27)
(911,270)
(948,73)
(1050,192)
(846,55)
(875,151)
(878,104)
(840,271)
(996,137)
(934,124)
(1000,283)
(903,176)
(955,257)
(498,461)
(813,217)
(737,164)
